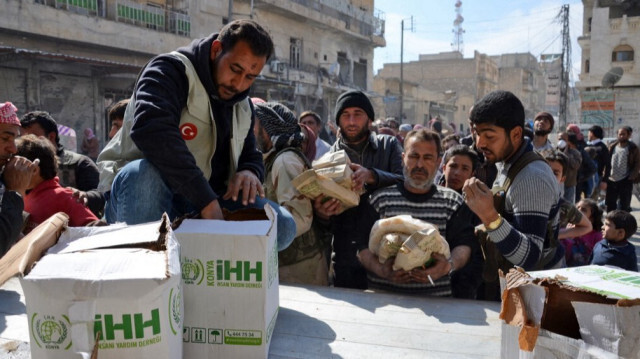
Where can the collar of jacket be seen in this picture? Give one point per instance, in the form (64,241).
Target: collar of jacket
(372,141)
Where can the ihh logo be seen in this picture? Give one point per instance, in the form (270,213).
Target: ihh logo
(51,332)
(192,271)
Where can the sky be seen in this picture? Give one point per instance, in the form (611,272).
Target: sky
(492,27)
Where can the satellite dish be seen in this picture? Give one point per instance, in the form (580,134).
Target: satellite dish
(612,77)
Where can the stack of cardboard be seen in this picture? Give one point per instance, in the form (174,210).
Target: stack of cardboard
(580,312)
(330,176)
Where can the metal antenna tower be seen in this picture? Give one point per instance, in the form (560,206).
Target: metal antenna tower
(458,42)
(402,28)
(566,65)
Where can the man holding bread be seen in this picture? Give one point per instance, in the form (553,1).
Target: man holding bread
(420,198)
(376,163)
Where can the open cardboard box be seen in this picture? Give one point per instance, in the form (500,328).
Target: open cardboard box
(230,275)
(111,292)
(580,312)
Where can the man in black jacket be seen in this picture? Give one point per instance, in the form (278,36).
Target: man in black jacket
(376,163)
(187,142)
(15,177)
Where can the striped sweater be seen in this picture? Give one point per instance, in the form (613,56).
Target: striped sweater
(442,207)
(530,202)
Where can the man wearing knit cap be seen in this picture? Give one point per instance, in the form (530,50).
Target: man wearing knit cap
(376,163)
(281,140)
(542,127)
(15,177)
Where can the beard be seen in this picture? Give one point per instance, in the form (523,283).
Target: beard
(507,151)
(357,138)
(422,185)
(230,91)
(541,132)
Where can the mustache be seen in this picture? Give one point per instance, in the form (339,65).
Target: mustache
(230,89)
(420,171)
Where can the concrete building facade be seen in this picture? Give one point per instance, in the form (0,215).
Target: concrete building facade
(609,81)
(74,58)
(446,82)
(450,84)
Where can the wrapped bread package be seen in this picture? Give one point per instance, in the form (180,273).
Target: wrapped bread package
(419,240)
(417,249)
(330,176)
(312,185)
(389,245)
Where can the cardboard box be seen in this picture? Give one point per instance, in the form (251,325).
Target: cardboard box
(120,284)
(585,312)
(230,275)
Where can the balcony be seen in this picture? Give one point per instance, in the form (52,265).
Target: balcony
(154,17)
(85,7)
(338,14)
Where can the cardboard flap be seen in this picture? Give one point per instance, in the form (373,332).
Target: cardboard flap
(606,326)
(219,227)
(21,257)
(150,236)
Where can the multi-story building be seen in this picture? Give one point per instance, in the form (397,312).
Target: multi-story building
(522,74)
(74,58)
(448,83)
(610,72)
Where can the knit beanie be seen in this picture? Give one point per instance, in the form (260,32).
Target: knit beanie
(353,99)
(280,123)
(546,115)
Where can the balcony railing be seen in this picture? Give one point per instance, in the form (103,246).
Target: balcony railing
(80,6)
(355,20)
(152,17)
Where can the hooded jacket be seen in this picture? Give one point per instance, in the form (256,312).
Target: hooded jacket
(157,133)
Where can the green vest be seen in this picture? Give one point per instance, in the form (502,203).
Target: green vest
(197,127)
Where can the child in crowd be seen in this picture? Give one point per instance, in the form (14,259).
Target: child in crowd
(579,249)
(45,196)
(572,222)
(615,249)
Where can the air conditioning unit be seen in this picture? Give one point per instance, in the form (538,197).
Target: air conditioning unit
(277,67)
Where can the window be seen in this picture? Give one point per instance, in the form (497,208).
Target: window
(622,53)
(295,48)
(587,65)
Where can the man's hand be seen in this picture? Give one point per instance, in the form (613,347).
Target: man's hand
(18,172)
(212,211)
(384,270)
(439,269)
(247,182)
(479,199)
(79,196)
(360,177)
(325,207)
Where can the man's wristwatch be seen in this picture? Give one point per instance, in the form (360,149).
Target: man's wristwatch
(453,266)
(495,224)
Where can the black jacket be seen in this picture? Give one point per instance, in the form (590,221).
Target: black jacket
(383,155)
(161,94)
(11,207)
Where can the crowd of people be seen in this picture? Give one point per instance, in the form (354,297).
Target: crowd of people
(191,142)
